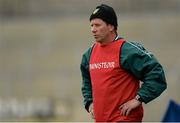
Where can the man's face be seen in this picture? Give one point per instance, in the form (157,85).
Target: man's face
(100,30)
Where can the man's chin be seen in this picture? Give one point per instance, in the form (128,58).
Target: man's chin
(98,41)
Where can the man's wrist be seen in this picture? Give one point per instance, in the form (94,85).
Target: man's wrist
(138,98)
(88,105)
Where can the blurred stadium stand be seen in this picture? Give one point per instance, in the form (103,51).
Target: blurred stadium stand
(41,43)
(20,8)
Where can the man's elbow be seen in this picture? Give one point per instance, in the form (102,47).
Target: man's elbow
(165,86)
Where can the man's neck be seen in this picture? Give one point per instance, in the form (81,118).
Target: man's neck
(109,39)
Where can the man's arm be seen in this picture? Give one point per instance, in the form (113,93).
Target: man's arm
(86,81)
(145,67)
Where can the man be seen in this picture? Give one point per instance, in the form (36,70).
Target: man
(112,70)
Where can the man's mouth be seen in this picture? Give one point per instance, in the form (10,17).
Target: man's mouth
(95,36)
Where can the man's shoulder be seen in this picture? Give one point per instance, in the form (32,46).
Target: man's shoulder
(87,53)
(136,43)
(133,44)
(88,50)
(135,47)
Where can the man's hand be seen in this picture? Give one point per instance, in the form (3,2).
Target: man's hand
(91,111)
(128,106)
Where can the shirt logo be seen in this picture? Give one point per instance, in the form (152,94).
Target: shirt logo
(102,65)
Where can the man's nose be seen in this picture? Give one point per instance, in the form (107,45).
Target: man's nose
(93,29)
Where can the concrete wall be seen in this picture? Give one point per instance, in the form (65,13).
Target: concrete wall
(40,57)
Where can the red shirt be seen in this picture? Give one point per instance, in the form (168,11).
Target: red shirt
(111,85)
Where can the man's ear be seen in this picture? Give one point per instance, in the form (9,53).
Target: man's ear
(111,27)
